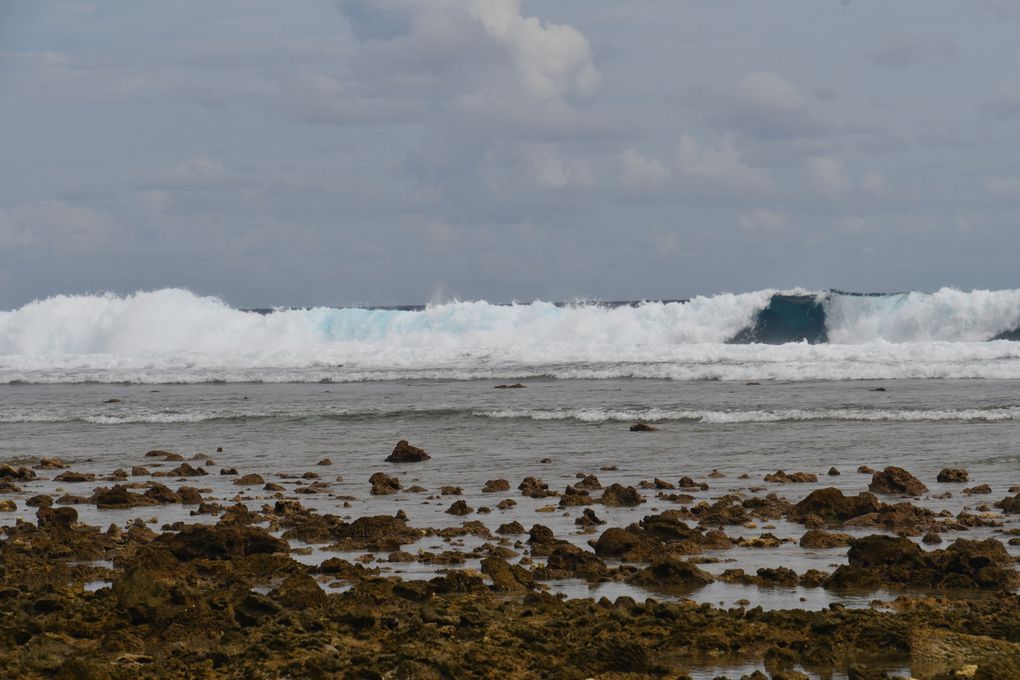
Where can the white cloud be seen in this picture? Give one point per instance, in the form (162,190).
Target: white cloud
(764,221)
(720,167)
(828,176)
(640,172)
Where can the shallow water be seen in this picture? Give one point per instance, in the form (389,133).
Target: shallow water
(476,433)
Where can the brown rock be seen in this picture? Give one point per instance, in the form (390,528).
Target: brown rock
(383,484)
(781,477)
(616,542)
(405,453)
(75,477)
(165,455)
(818,539)
(119,497)
(459,508)
(952,475)
(830,504)
(619,496)
(250,480)
(221,542)
(496,485)
(980,489)
(670,573)
(186,470)
(896,480)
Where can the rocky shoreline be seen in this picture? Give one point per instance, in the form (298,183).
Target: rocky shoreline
(240,591)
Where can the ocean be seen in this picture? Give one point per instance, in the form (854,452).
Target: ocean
(743,384)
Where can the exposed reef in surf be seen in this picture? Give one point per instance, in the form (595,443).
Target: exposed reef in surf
(259,584)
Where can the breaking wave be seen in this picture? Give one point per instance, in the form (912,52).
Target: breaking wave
(175,336)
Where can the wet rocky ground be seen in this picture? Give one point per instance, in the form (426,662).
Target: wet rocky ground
(176,566)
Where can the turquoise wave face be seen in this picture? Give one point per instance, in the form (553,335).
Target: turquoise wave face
(173,335)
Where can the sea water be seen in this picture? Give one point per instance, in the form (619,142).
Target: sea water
(914,380)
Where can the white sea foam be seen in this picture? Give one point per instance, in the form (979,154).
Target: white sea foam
(174,336)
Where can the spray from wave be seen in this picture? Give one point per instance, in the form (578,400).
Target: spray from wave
(173,335)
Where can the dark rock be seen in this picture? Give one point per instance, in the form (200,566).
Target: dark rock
(119,497)
(459,508)
(165,455)
(506,578)
(383,484)
(896,480)
(642,427)
(496,485)
(619,496)
(670,573)
(588,519)
(250,480)
(830,504)
(186,470)
(781,477)
(616,542)
(535,488)
(48,518)
(405,453)
(817,539)
(979,490)
(221,542)
(75,477)
(511,529)
(952,475)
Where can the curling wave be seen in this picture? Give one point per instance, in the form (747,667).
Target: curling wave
(173,335)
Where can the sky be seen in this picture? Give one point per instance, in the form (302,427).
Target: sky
(387,152)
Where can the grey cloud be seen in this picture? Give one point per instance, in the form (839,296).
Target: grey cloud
(765,105)
(901,50)
(1004,103)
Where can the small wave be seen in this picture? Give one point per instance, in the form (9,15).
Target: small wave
(755,416)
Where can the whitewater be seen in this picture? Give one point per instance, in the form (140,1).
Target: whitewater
(175,336)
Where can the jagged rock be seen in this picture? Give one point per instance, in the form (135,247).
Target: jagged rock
(221,542)
(75,477)
(21,474)
(119,497)
(619,496)
(511,529)
(186,470)
(896,480)
(616,542)
(588,519)
(383,484)
(671,573)
(165,455)
(459,508)
(876,560)
(833,472)
(506,577)
(781,477)
(48,518)
(830,504)
(818,539)
(161,494)
(405,453)
(8,506)
(1010,505)
(952,475)
(535,488)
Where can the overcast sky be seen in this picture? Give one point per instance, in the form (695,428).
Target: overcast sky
(400,151)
